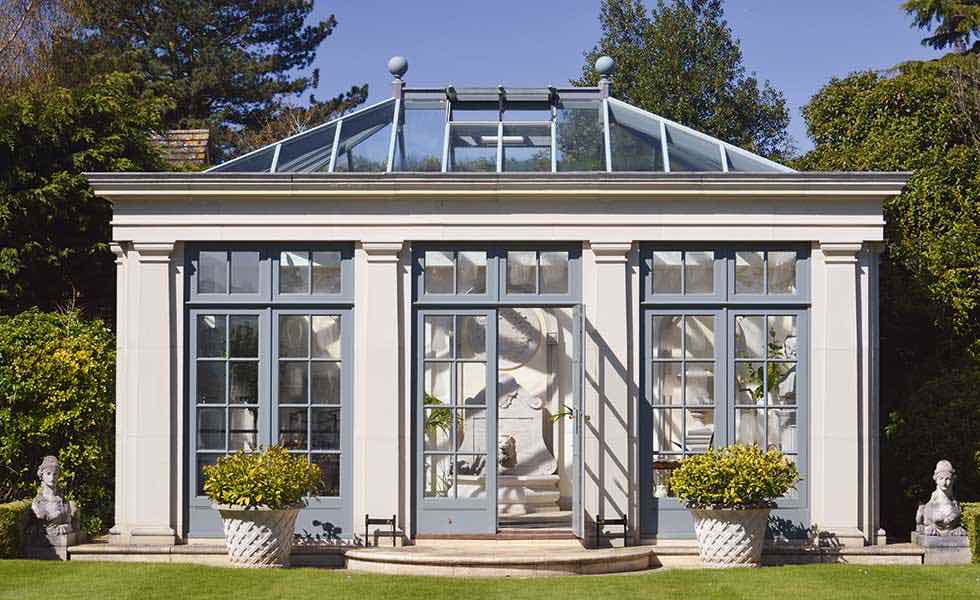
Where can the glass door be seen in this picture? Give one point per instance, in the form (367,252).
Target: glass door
(456,423)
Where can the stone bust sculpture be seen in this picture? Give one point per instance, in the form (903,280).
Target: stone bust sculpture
(941,515)
(57,515)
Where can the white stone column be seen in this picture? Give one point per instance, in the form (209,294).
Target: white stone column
(146,485)
(839,414)
(378,397)
(117,532)
(609,434)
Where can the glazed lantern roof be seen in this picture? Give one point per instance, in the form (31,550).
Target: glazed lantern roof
(500,130)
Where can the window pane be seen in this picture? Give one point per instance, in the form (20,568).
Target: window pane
(294,273)
(750,426)
(554,272)
(439,336)
(419,144)
(437,476)
(749,337)
(204,460)
(326,382)
(212,277)
(437,428)
(244,433)
(666,336)
(244,272)
(668,430)
(473,148)
(689,152)
(472,338)
(244,336)
(325,429)
(326,336)
(748,272)
(294,336)
(699,336)
(471,379)
(782,382)
(782,430)
(472,267)
(210,429)
(211,382)
(439,273)
(580,141)
(634,140)
(699,272)
(293,428)
(211,336)
(258,162)
(329,473)
(700,429)
(293,382)
(326,272)
(364,140)
(471,479)
(749,382)
(781,272)
(666,272)
(667,383)
(699,383)
(471,424)
(527,147)
(438,383)
(244,383)
(783,337)
(522,272)
(307,153)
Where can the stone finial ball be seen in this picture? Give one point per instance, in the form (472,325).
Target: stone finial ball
(605,65)
(397,66)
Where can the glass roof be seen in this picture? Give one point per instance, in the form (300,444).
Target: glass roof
(500,130)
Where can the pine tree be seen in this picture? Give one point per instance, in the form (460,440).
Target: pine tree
(957,22)
(682,61)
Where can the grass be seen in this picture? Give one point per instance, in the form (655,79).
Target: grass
(27,580)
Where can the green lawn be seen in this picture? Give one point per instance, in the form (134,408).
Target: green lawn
(26,580)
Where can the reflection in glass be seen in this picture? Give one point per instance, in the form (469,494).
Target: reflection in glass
(439,336)
(472,268)
(699,336)
(580,144)
(439,272)
(244,272)
(364,140)
(258,162)
(634,140)
(750,426)
(326,272)
(204,460)
(292,382)
(781,272)
(211,382)
(212,276)
(308,152)
(244,431)
(325,429)
(527,147)
(782,383)
(749,337)
(294,336)
(783,337)
(294,273)
(471,477)
(666,272)
(418,147)
(666,336)
(437,427)
(668,430)
(471,378)
(211,429)
(699,386)
(438,382)
(667,383)
(325,384)
(244,382)
(472,337)
(293,426)
(554,272)
(750,381)
(522,272)
(244,336)
(690,152)
(699,273)
(326,336)
(471,423)
(782,430)
(437,476)
(329,473)
(473,148)
(211,336)
(748,272)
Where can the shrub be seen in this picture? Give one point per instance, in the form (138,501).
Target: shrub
(971,521)
(57,375)
(13,519)
(273,478)
(734,477)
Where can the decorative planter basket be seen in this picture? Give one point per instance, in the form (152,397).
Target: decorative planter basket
(730,538)
(259,537)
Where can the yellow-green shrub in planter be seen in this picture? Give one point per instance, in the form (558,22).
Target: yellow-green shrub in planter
(13,520)
(259,495)
(730,493)
(971,521)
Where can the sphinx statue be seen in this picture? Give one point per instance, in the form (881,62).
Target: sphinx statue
(941,516)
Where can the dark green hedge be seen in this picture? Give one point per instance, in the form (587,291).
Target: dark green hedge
(57,375)
(971,520)
(13,520)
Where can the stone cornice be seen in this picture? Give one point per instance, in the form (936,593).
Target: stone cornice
(382,251)
(840,253)
(154,252)
(611,252)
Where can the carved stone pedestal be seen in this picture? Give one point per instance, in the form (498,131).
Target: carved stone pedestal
(943,549)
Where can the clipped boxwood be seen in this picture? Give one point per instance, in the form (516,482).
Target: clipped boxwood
(57,376)
(13,520)
(971,521)
(735,477)
(273,478)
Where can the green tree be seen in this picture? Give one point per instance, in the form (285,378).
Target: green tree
(953,23)
(54,231)
(227,64)
(912,119)
(681,60)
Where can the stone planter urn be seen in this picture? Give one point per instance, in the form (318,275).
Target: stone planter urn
(259,537)
(729,538)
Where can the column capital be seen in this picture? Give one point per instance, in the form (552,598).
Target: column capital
(118,250)
(611,252)
(382,251)
(154,252)
(841,252)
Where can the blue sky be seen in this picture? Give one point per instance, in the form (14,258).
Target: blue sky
(798,45)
